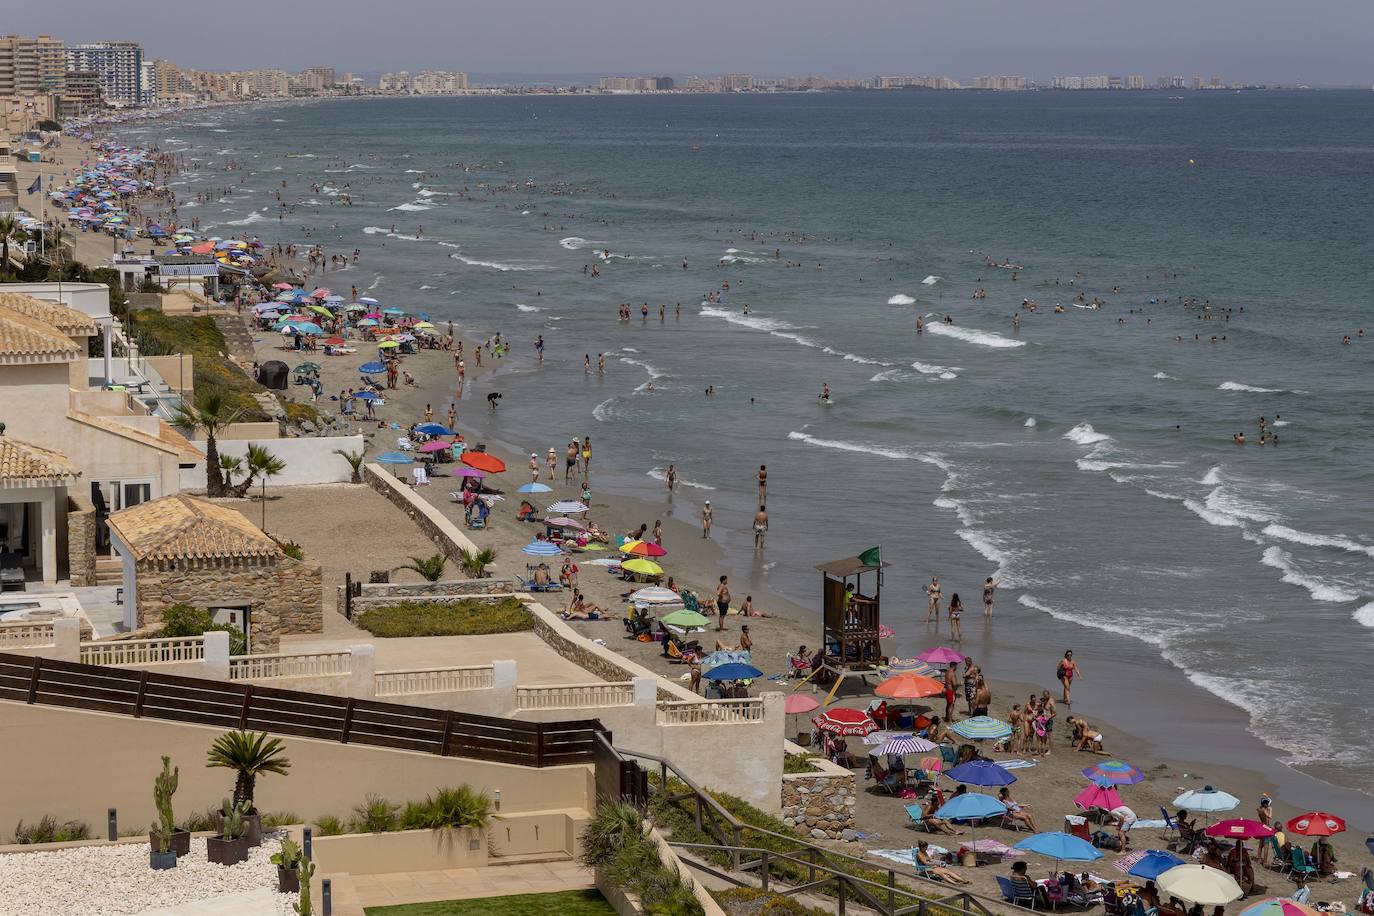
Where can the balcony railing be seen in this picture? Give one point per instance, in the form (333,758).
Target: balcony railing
(162,651)
(408,682)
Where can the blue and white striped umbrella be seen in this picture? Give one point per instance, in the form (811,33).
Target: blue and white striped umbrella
(907,744)
(541,549)
(565,507)
(981,728)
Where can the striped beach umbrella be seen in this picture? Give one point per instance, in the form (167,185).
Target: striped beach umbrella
(907,744)
(1278,906)
(911,666)
(563,506)
(982,728)
(541,549)
(1115,772)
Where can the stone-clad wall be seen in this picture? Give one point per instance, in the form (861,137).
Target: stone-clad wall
(376,594)
(285,594)
(427,517)
(819,807)
(81,526)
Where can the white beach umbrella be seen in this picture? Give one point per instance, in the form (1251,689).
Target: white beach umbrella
(1199,884)
(655,595)
(1206,799)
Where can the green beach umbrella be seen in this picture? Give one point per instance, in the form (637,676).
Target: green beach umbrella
(686,619)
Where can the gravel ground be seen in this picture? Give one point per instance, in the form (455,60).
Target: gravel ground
(101,880)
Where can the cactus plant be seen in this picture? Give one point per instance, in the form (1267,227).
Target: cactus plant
(164,787)
(306,869)
(235,819)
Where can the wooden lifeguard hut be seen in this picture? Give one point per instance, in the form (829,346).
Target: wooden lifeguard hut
(851,612)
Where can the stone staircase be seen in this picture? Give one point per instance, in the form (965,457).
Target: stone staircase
(237,340)
(109,571)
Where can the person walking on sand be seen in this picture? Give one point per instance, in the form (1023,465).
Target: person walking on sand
(763,482)
(570,462)
(706,519)
(552,461)
(1068,669)
(760,527)
(658,532)
(956,612)
(452,415)
(933,600)
(722,603)
(989,594)
(534,467)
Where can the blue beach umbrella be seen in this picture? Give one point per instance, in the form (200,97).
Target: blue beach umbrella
(367,323)
(725,657)
(1154,863)
(369,368)
(393,311)
(429,429)
(395,458)
(366,396)
(981,728)
(1060,847)
(734,671)
(971,806)
(981,773)
(305,327)
(368,300)
(541,549)
(534,488)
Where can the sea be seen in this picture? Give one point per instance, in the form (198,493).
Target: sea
(1219,597)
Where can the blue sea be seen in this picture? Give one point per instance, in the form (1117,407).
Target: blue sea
(1218,595)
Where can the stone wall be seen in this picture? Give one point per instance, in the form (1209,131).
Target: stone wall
(81,529)
(385,594)
(820,806)
(430,520)
(285,595)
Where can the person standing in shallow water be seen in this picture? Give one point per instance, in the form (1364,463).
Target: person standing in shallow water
(989,595)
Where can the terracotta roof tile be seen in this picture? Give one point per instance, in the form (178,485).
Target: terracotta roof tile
(64,318)
(21,335)
(182,527)
(20,461)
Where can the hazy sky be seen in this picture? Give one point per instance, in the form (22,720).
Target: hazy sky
(1316,41)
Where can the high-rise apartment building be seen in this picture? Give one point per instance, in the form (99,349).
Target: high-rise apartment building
(1216,81)
(82,93)
(1135,81)
(318,79)
(737,82)
(999,83)
(31,65)
(120,65)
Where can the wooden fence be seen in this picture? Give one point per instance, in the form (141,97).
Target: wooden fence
(230,705)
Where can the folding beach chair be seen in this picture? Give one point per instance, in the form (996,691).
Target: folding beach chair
(917,818)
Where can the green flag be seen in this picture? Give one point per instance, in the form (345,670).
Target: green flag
(873,556)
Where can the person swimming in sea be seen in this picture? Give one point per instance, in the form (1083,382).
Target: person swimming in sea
(825,392)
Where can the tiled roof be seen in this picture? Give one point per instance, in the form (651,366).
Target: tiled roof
(21,335)
(182,527)
(21,462)
(64,318)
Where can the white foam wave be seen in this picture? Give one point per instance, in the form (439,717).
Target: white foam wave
(426,287)
(796,338)
(1279,423)
(1144,634)
(889,375)
(496,265)
(602,412)
(414,171)
(573,243)
(1084,434)
(989,549)
(973,336)
(1221,500)
(412,207)
(1280,559)
(901,299)
(947,373)
(871,449)
(527,308)
(1237,386)
(247,220)
(1340,542)
(1365,615)
(1210,516)
(654,371)
(662,474)
(1030,423)
(756,322)
(1163,375)
(1212,477)
(426,192)
(854,357)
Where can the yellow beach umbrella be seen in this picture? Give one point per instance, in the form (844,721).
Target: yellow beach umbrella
(387,345)
(423,324)
(642,567)
(320,310)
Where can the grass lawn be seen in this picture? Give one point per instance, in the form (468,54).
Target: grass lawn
(566,903)
(437,618)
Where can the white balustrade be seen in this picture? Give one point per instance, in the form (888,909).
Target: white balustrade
(407,682)
(575,696)
(701,712)
(280,665)
(161,651)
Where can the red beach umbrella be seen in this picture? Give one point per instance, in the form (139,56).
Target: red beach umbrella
(1316,823)
(483,462)
(845,721)
(909,687)
(1239,828)
(335,341)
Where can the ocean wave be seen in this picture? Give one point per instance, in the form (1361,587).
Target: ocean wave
(1365,615)
(426,192)
(1163,375)
(1084,434)
(573,243)
(247,220)
(1030,423)
(988,548)
(528,308)
(1340,542)
(1280,559)
(602,412)
(756,322)
(1237,386)
(496,265)
(1227,502)
(854,357)
(654,371)
(1279,423)
(973,336)
(426,287)
(1145,634)
(947,373)
(864,448)
(1213,477)
(889,375)
(1210,516)
(412,207)
(662,474)
(796,338)
(901,299)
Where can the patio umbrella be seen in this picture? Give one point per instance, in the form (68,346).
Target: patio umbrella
(537,548)
(687,620)
(483,462)
(534,488)
(941,655)
(1098,796)
(565,523)
(1116,772)
(334,341)
(971,807)
(981,728)
(321,292)
(1198,884)
(429,429)
(467,472)
(1278,906)
(642,567)
(434,445)
(1152,863)
(387,345)
(1062,847)
(366,396)
(1206,799)
(724,656)
(1239,828)
(565,507)
(395,458)
(643,549)
(907,744)
(735,671)
(981,773)
(798,703)
(655,595)
(910,666)
(845,721)
(1316,823)
(909,687)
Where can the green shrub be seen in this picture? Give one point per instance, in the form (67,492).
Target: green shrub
(163,335)
(441,618)
(275,819)
(290,548)
(798,763)
(753,901)
(185,620)
(48,830)
(374,815)
(329,825)
(197,822)
(616,842)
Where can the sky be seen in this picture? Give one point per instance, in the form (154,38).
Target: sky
(1320,42)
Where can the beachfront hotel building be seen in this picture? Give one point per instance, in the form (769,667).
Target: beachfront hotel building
(120,65)
(29,66)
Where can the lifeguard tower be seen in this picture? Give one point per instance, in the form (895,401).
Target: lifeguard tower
(850,617)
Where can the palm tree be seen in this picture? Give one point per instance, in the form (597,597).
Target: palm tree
(430,569)
(212,414)
(9,228)
(355,461)
(261,463)
(250,754)
(475,562)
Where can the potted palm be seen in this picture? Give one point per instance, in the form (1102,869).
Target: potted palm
(165,839)
(248,754)
(230,847)
(288,862)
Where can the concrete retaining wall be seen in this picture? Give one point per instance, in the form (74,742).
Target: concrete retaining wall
(309,460)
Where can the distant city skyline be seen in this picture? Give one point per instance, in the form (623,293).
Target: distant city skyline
(1325,42)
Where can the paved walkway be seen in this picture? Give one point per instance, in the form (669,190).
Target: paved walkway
(353,893)
(250,903)
(535,662)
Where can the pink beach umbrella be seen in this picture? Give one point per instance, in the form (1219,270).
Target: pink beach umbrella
(941,655)
(1095,796)
(1239,828)
(798,703)
(435,445)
